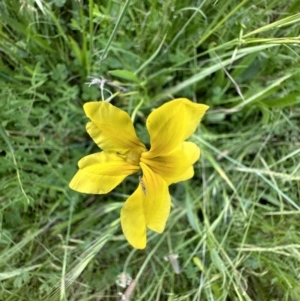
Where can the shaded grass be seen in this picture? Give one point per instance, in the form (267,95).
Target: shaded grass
(234,225)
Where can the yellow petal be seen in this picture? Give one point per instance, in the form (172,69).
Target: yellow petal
(172,123)
(148,206)
(157,201)
(101,172)
(133,219)
(183,177)
(111,128)
(175,166)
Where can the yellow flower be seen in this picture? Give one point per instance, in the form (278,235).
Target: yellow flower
(169,160)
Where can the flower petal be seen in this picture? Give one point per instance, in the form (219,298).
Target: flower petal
(174,166)
(149,206)
(111,128)
(133,219)
(183,177)
(172,123)
(101,172)
(157,200)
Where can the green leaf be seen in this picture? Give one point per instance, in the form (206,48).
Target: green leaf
(125,74)
(76,49)
(289,100)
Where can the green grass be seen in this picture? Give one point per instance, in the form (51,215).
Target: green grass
(234,226)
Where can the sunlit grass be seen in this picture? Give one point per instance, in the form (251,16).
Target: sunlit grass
(234,226)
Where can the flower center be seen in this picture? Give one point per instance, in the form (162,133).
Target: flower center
(133,157)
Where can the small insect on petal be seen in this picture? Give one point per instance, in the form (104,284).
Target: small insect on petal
(142,185)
